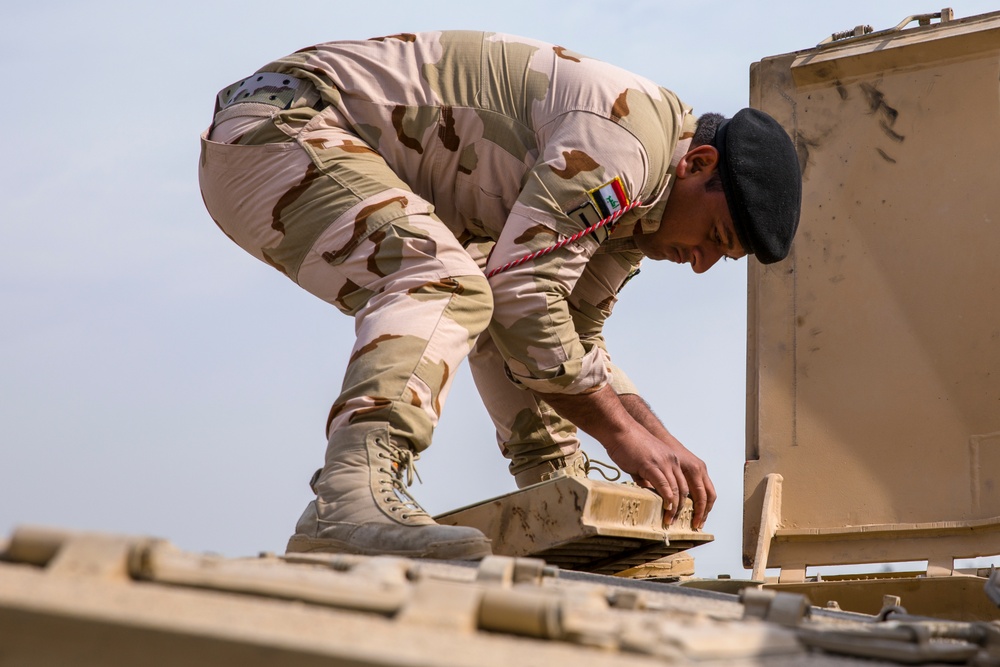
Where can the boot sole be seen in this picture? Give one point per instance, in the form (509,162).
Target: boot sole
(460,550)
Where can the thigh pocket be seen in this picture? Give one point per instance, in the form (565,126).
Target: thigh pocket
(348,274)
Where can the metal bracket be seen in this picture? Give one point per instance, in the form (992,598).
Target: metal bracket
(992,586)
(943,16)
(787,609)
(770,519)
(506,571)
(907,643)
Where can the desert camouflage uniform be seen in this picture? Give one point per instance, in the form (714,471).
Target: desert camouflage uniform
(386,176)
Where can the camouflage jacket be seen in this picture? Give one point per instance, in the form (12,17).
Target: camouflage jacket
(517,144)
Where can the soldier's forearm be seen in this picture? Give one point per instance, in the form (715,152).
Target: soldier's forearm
(639,409)
(600,414)
(632,447)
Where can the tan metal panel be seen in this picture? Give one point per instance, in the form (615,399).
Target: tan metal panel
(581,524)
(874,350)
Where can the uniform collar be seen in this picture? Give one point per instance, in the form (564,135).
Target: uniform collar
(651,214)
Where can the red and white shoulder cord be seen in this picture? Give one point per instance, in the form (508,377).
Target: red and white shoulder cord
(610,220)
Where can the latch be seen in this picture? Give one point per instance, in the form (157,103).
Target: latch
(506,571)
(992,586)
(943,16)
(911,642)
(787,609)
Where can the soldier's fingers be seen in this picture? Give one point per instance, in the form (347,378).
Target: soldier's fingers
(710,497)
(683,489)
(667,488)
(699,498)
(676,505)
(658,483)
(641,481)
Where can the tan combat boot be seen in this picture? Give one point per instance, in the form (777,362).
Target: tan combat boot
(577,464)
(363,507)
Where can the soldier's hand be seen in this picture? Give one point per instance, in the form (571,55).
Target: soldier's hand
(700,486)
(669,469)
(640,445)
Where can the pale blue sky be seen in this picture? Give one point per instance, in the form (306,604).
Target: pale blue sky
(158,380)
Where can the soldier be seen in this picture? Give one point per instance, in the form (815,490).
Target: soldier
(482,195)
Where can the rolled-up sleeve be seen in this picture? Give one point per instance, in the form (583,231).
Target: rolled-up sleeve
(593,299)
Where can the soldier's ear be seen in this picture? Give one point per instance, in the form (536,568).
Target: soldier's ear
(700,160)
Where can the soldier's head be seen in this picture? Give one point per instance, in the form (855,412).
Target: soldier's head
(738,191)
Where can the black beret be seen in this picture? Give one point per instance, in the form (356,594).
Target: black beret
(763,185)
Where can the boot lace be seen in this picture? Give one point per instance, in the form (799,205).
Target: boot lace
(400,473)
(583,466)
(600,467)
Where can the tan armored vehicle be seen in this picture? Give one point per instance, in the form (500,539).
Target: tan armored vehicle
(873,370)
(89,599)
(873,438)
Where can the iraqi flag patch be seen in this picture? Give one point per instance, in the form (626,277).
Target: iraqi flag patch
(610,198)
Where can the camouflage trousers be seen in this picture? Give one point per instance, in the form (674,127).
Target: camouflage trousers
(316,203)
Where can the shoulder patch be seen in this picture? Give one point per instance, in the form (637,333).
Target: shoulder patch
(586,213)
(601,203)
(609,198)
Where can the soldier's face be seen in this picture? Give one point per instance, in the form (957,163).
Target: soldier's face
(696,227)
